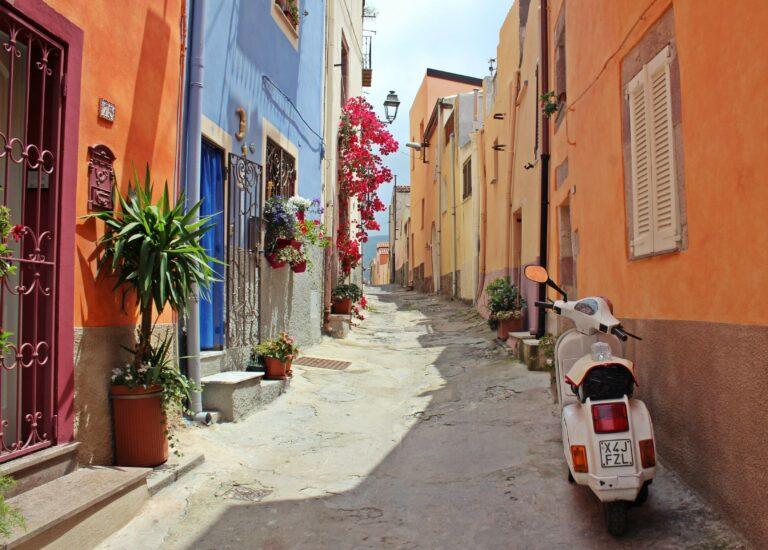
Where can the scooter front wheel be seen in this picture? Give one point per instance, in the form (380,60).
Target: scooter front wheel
(616,517)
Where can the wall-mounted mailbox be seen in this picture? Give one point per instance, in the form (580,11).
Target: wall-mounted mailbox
(101,177)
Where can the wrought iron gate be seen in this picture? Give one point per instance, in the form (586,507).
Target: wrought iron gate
(243,247)
(31,89)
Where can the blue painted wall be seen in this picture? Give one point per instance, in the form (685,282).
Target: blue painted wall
(243,43)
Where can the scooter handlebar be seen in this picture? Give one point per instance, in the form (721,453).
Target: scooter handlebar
(545,305)
(620,334)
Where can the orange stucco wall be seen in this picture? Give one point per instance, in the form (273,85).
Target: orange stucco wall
(423,186)
(131,56)
(724,130)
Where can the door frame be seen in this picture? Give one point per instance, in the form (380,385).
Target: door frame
(48,22)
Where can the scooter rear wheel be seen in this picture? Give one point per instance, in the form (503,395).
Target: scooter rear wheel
(616,517)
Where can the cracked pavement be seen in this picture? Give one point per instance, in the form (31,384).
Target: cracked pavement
(432,438)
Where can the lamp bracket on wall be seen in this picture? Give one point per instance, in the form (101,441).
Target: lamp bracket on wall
(499,147)
(499,116)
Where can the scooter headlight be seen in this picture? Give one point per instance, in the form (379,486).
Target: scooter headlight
(601,351)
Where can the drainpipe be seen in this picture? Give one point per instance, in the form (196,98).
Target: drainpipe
(438,218)
(456,114)
(544,37)
(194,141)
(512,114)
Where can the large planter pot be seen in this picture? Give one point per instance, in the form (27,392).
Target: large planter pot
(509,325)
(273,262)
(276,369)
(300,267)
(343,307)
(140,426)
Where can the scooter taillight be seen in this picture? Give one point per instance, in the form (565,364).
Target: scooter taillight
(610,418)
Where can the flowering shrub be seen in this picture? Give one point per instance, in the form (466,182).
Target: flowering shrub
(282,348)
(357,312)
(363,141)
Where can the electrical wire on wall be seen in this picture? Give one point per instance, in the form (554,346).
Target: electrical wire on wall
(267,80)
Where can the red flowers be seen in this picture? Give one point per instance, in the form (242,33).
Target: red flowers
(361,172)
(17,232)
(363,302)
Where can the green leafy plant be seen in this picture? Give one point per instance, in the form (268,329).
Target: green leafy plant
(154,250)
(10,517)
(7,231)
(547,349)
(282,348)
(504,301)
(548,103)
(351,291)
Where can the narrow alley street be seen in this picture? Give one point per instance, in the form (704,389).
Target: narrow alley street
(431,438)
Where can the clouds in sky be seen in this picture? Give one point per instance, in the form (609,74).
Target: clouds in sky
(458,36)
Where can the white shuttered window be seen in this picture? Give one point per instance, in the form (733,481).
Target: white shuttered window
(655,211)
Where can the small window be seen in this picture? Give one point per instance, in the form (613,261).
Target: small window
(286,15)
(466,189)
(280,171)
(655,209)
(560,80)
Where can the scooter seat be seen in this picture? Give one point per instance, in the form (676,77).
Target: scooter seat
(581,368)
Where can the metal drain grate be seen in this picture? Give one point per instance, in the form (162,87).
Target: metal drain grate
(319,363)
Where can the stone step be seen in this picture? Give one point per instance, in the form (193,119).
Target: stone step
(235,394)
(80,509)
(515,342)
(212,362)
(162,476)
(530,353)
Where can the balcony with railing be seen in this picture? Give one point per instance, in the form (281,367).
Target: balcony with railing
(367,67)
(290,9)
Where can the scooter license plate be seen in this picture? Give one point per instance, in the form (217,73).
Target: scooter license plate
(615,453)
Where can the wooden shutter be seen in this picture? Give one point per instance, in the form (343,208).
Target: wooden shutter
(640,151)
(666,233)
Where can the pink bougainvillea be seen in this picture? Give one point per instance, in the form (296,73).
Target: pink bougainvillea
(363,141)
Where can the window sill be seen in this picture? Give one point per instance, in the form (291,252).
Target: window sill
(290,32)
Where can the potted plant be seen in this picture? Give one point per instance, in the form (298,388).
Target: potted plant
(153,250)
(343,297)
(294,256)
(280,221)
(506,307)
(278,355)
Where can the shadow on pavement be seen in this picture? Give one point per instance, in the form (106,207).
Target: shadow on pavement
(481,468)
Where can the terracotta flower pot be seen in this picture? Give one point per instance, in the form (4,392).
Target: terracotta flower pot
(276,369)
(296,244)
(272,260)
(343,307)
(509,325)
(300,267)
(140,426)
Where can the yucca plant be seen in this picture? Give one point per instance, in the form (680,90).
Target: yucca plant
(154,249)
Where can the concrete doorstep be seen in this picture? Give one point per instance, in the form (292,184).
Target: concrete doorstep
(80,509)
(162,476)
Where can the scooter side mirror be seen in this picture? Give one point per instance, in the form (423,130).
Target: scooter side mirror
(537,274)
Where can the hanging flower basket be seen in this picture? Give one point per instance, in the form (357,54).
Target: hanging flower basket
(300,267)
(273,262)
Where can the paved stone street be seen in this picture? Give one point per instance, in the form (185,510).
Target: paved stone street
(433,438)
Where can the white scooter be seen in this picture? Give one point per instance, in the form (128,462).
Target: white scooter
(607,435)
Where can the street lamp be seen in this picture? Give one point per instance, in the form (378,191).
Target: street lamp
(391,105)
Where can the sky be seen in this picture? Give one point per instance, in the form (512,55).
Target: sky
(458,36)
